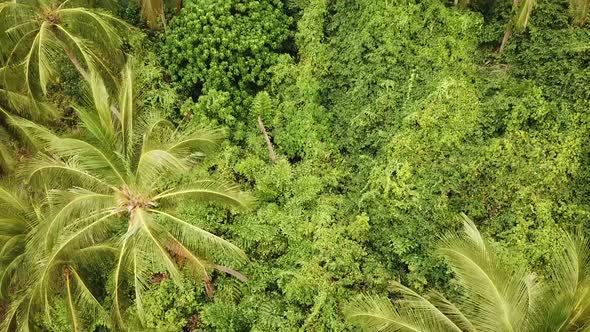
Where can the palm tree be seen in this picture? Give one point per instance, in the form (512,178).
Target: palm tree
(492,296)
(114,190)
(36,34)
(23,259)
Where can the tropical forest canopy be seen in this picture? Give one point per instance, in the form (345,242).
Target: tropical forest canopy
(294,165)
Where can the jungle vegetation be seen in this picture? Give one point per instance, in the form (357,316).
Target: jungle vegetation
(294,165)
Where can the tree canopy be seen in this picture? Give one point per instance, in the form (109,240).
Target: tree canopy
(296,165)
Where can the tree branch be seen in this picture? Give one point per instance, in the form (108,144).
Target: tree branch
(271,150)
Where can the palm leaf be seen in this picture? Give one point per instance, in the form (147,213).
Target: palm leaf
(374,313)
(498,296)
(211,192)
(524,12)
(73,204)
(199,240)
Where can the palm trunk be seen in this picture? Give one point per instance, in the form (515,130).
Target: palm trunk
(507,35)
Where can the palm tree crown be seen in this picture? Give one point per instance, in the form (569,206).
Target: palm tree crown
(492,296)
(114,189)
(36,34)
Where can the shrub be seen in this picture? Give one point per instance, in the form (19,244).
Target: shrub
(225,45)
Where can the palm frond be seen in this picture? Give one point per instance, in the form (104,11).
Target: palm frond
(84,299)
(524,12)
(199,240)
(7,161)
(118,277)
(209,191)
(374,313)
(72,205)
(204,140)
(126,107)
(98,120)
(143,253)
(16,224)
(153,242)
(28,132)
(569,298)
(450,310)
(499,296)
(11,317)
(91,158)
(22,105)
(79,238)
(434,318)
(155,163)
(70,301)
(49,170)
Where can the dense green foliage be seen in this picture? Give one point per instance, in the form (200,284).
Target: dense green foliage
(387,119)
(225,45)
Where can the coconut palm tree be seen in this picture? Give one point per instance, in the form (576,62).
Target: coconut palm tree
(23,260)
(492,296)
(113,186)
(36,35)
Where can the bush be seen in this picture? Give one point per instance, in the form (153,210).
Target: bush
(226,45)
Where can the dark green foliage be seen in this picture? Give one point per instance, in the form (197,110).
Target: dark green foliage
(391,120)
(171,307)
(225,45)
